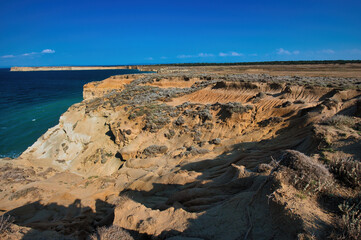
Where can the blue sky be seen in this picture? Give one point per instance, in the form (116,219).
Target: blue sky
(40,32)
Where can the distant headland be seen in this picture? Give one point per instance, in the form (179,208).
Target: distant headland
(69,68)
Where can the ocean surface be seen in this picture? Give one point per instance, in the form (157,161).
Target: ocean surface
(32,102)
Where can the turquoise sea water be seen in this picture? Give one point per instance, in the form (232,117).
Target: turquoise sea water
(32,102)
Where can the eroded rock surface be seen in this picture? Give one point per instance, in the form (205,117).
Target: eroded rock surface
(198,156)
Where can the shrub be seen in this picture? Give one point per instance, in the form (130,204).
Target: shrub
(358,108)
(299,102)
(275,86)
(111,233)
(347,170)
(349,224)
(304,173)
(220,84)
(249,85)
(340,120)
(270,121)
(330,103)
(154,150)
(23,193)
(180,121)
(215,141)
(5,224)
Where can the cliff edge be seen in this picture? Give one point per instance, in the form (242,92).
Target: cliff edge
(193,156)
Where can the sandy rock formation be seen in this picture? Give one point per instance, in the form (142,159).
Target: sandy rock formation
(191,156)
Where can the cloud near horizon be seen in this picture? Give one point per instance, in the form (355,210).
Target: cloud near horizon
(8,56)
(231,54)
(204,55)
(48,51)
(197,55)
(282,51)
(327,51)
(45,51)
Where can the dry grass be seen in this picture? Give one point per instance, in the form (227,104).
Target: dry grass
(111,233)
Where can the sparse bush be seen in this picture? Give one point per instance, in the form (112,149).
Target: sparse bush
(261,95)
(228,109)
(215,141)
(349,224)
(270,121)
(330,103)
(111,233)
(194,151)
(358,108)
(286,104)
(340,120)
(347,170)
(170,134)
(154,150)
(197,135)
(22,193)
(5,224)
(220,84)
(205,115)
(249,85)
(264,168)
(299,102)
(304,173)
(275,86)
(287,90)
(179,121)
(9,173)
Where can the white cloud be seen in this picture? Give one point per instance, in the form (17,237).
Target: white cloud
(8,56)
(282,51)
(149,58)
(45,51)
(184,56)
(236,54)
(328,51)
(230,54)
(203,55)
(48,51)
(29,54)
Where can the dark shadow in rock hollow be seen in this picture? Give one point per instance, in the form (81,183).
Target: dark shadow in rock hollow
(69,222)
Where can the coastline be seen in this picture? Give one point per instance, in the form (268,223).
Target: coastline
(33,101)
(69,68)
(159,146)
(347,70)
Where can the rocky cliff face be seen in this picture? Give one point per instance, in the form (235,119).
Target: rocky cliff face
(170,155)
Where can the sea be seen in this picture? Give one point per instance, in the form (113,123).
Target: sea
(32,102)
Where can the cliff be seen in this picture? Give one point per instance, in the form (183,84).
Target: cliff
(191,156)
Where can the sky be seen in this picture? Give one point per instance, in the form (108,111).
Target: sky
(58,33)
